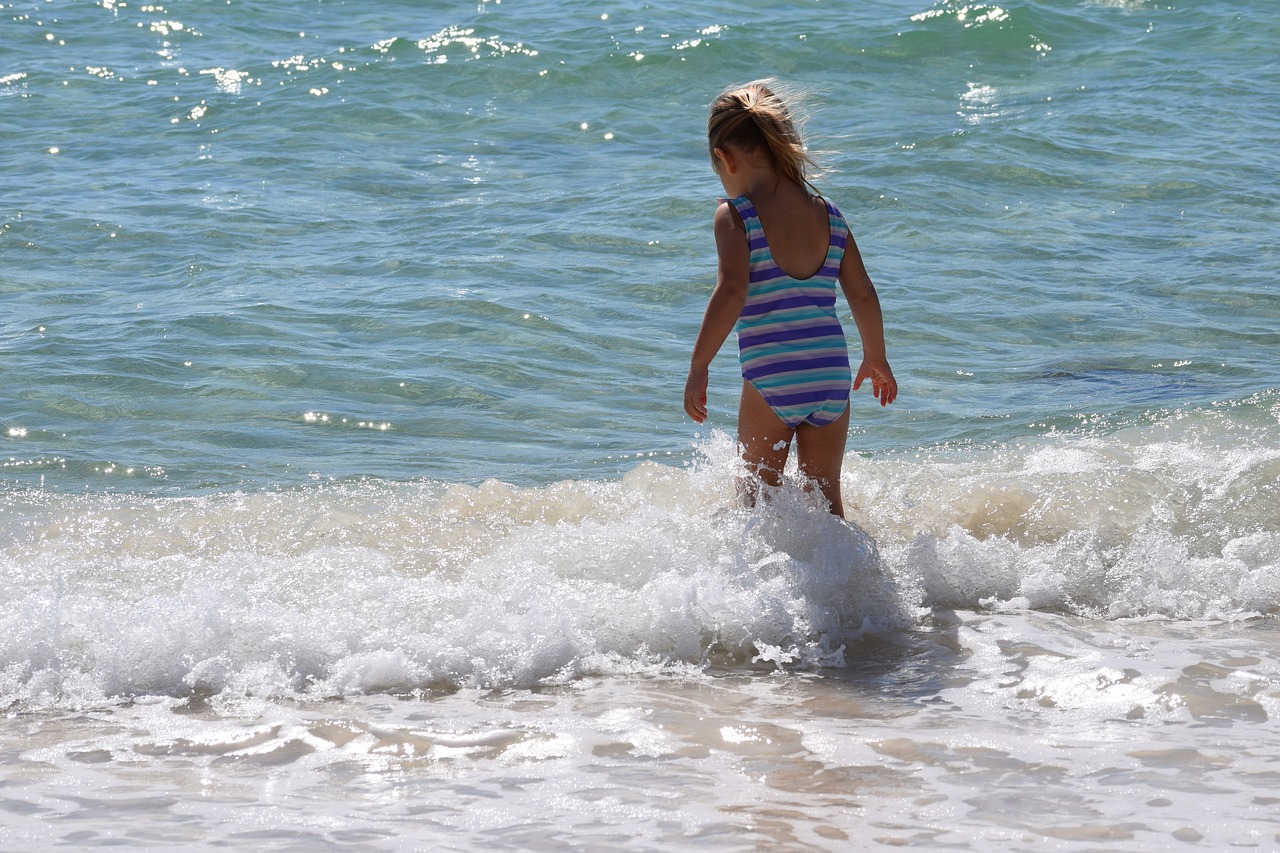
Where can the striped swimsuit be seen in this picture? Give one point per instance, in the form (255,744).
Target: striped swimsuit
(790,343)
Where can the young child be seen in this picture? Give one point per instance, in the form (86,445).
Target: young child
(782,249)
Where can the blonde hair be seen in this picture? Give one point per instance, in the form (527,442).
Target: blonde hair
(755,117)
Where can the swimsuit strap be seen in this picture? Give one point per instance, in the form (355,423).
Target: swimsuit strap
(744,206)
(750,222)
(839,234)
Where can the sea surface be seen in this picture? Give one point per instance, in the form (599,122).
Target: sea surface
(347,502)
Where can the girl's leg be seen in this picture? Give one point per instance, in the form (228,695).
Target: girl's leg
(820,452)
(765,442)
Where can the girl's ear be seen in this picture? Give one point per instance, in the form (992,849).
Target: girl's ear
(724,157)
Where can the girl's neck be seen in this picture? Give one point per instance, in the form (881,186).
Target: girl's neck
(752,173)
(767,186)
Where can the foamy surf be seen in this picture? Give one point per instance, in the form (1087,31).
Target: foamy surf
(377,587)
(1177,518)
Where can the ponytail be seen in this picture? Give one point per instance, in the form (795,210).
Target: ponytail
(754,117)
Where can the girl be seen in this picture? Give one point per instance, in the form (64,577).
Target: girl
(782,248)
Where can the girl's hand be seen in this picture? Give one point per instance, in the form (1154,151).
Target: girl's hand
(695,394)
(883,385)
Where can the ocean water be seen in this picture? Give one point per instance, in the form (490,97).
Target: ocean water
(347,503)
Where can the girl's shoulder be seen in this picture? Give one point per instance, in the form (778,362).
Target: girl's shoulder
(729,212)
(830,205)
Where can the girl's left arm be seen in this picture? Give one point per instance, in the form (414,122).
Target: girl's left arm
(730,294)
(865,304)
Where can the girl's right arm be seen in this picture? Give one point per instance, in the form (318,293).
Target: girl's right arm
(732,274)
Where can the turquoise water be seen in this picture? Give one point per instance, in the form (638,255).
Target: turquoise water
(281,241)
(346,499)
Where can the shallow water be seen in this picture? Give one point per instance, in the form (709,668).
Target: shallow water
(1029,732)
(346,502)
(635,664)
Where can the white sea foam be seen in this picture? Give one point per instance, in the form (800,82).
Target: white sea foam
(1178,519)
(381,587)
